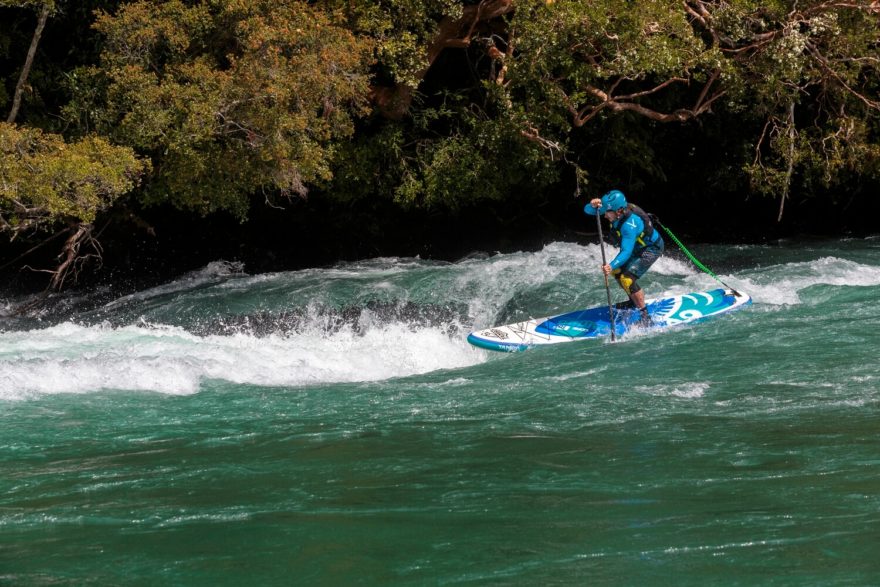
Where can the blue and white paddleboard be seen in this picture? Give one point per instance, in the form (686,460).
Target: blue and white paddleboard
(596,323)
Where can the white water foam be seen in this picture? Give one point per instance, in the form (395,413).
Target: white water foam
(492,282)
(688,390)
(780,284)
(777,284)
(76,359)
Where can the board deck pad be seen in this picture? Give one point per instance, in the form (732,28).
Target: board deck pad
(596,323)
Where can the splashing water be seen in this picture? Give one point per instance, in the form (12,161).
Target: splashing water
(333,425)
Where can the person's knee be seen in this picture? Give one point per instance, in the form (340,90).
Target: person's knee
(628,283)
(634,287)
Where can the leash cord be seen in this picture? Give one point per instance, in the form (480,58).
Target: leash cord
(693,259)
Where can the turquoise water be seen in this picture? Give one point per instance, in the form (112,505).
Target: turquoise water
(332,426)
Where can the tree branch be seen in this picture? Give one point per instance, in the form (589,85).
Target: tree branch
(70,257)
(28,62)
(627,103)
(704,17)
(394,102)
(823,62)
(532,134)
(792,134)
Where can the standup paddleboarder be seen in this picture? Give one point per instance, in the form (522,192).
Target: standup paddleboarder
(640,245)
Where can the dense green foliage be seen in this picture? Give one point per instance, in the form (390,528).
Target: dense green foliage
(445,104)
(798,78)
(227,98)
(43,179)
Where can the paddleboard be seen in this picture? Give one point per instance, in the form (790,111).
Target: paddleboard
(596,322)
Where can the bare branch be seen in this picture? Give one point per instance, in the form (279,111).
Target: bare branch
(71,259)
(760,141)
(508,56)
(653,90)
(678,116)
(702,97)
(792,134)
(829,70)
(702,16)
(458,32)
(627,103)
(825,6)
(534,135)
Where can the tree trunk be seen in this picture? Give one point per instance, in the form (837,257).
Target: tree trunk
(792,135)
(28,62)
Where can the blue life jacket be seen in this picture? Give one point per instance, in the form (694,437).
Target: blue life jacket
(634,232)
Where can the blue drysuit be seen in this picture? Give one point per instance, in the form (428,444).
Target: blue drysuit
(638,251)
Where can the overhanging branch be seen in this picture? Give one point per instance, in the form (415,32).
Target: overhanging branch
(628,102)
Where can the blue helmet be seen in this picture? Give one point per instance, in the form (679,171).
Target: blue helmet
(613,200)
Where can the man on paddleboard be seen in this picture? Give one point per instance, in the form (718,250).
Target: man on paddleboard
(640,244)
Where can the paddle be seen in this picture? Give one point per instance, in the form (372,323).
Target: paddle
(607,288)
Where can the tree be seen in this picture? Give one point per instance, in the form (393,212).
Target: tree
(805,71)
(411,34)
(810,71)
(441,144)
(227,98)
(45,181)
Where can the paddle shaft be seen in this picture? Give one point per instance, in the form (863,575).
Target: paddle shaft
(607,287)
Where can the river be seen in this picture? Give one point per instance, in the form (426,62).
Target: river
(332,426)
